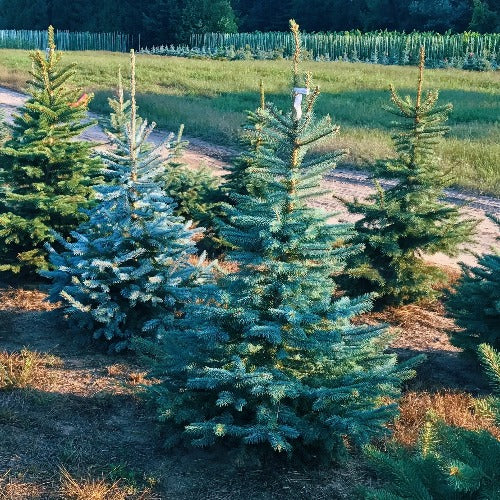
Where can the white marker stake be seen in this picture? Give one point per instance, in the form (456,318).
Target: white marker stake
(298,92)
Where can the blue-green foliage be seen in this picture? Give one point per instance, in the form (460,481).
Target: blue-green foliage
(128,270)
(195,192)
(253,140)
(276,362)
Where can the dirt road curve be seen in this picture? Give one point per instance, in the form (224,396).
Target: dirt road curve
(344,183)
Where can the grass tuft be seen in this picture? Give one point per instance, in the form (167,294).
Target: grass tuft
(97,489)
(90,489)
(24,369)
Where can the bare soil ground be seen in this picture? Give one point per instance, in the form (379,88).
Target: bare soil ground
(85,416)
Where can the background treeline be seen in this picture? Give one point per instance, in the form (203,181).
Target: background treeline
(173,21)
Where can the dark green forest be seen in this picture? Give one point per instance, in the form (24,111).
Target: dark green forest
(173,21)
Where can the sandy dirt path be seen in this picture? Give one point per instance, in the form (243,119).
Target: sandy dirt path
(342,182)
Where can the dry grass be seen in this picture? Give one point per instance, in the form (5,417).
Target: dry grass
(456,409)
(421,327)
(96,489)
(11,489)
(117,369)
(20,299)
(23,369)
(88,420)
(137,378)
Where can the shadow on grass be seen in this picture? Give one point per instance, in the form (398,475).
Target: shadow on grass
(470,150)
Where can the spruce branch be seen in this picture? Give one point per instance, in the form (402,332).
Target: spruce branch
(420,80)
(262,95)
(294,28)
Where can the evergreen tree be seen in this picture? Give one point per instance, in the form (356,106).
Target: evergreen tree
(242,178)
(170,21)
(120,111)
(24,14)
(128,271)
(46,175)
(3,128)
(198,197)
(439,15)
(408,219)
(276,363)
(447,462)
(485,18)
(385,14)
(490,360)
(475,303)
(195,192)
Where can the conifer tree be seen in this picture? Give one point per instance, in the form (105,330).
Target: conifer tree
(447,462)
(195,192)
(120,111)
(45,173)
(3,128)
(241,176)
(475,303)
(198,197)
(128,271)
(402,222)
(276,363)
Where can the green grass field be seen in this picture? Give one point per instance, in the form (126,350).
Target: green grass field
(211,97)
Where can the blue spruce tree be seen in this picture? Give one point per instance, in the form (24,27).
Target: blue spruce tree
(129,270)
(277,363)
(120,111)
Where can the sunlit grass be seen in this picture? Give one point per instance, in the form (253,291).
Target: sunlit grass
(211,97)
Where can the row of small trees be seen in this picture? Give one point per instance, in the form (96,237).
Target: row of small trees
(266,354)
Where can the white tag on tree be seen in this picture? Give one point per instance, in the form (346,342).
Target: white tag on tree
(298,92)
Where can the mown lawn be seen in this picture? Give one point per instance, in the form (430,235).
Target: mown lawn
(211,97)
